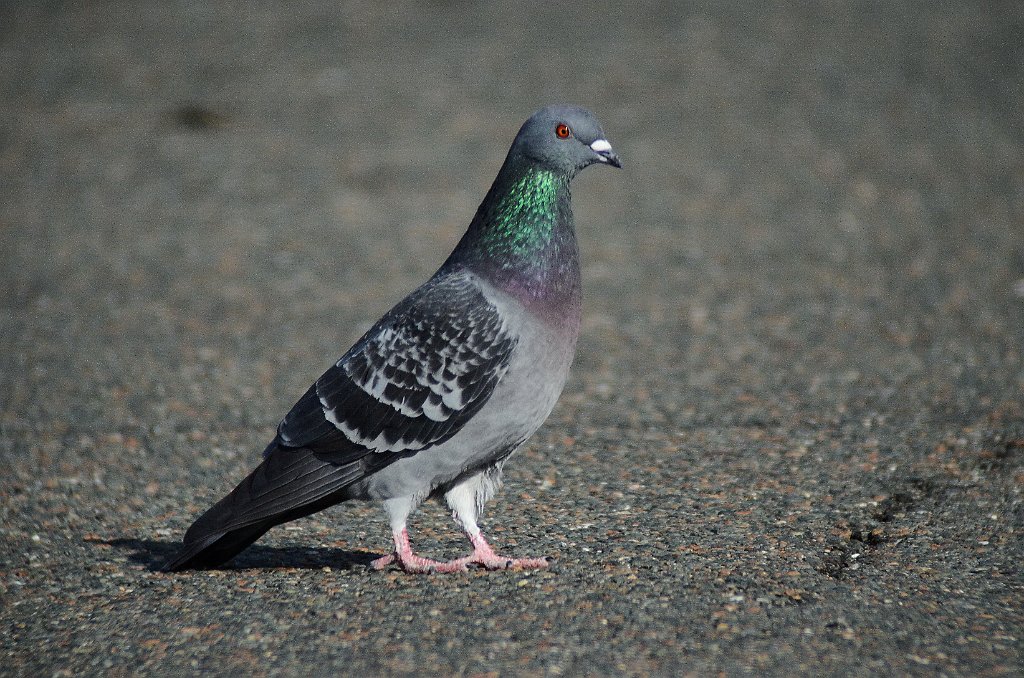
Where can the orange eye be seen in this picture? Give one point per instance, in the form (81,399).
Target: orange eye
(563,131)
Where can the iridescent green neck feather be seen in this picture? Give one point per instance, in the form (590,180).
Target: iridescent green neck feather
(523,218)
(522,237)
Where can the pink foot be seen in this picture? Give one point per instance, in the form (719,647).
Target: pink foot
(412,563)
(415,564)
(485,556)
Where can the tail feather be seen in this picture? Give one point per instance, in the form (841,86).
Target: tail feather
(268,494)
(289,484)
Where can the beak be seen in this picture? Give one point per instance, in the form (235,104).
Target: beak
(605,153)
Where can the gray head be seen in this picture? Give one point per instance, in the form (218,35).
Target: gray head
(564,139)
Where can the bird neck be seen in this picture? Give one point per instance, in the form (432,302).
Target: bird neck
(523,241)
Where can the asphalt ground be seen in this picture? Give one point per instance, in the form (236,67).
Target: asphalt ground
(793,438)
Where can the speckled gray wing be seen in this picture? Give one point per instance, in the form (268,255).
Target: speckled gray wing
(412,382)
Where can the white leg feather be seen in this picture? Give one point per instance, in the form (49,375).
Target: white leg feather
(466,500)
(398,510)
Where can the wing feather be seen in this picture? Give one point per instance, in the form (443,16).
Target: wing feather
(412,381)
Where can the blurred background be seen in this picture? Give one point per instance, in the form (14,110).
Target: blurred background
(804,291)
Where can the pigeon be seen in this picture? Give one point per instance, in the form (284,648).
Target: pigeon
(434,399)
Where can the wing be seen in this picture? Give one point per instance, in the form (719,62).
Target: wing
(412,382)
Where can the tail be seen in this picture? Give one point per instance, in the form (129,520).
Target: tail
(289,484)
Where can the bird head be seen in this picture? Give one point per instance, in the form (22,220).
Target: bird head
(564,139)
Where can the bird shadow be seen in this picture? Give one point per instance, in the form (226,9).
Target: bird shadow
(153,554)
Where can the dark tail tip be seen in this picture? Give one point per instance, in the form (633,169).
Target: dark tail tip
(214,550)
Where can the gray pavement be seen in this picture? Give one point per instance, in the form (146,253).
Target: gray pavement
(793,440)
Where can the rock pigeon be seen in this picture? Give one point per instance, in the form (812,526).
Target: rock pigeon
(437,395)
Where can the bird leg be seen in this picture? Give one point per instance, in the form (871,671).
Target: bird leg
(485,556)
(410,562)
(465,500)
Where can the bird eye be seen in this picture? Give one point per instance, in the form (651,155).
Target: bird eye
(563,131)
